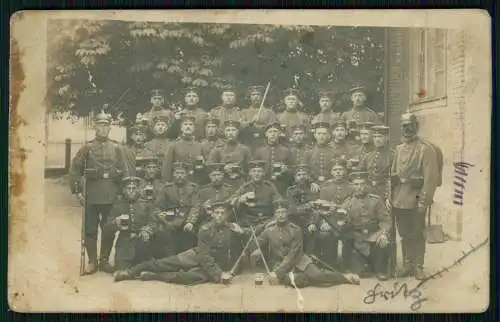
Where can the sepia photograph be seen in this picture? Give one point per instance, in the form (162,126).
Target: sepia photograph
(250,161)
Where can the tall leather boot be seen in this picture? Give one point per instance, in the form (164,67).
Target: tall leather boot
(407,269)
(419,254)
(107,238)
(91,247)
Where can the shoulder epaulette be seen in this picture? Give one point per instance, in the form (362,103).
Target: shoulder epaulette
(168,184)
(293,226)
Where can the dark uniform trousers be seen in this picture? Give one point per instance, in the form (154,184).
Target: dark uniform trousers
(200,264)
(282,245)
(130,250)
(97,216)
(411,227)
(359,263)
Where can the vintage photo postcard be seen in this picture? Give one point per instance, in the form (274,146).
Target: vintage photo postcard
(250,161)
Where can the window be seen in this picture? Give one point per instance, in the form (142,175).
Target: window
(428,65)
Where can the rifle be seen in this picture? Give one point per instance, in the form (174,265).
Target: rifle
(82,233)
(262,102)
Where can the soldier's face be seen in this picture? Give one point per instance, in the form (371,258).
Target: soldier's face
(290,102)
(339,133)
(358,98)
(231,132)
(272,135)
(228,98)
(187,127)
(255,98)
(139,137)
(180,175)
(216,177)
(338,172)
(409,129)
(321,135)
(160,127)
(365,137)
(151,171)
(211,130)
(298,136)
(256,174)
(379,140)
(301,176)
(157,101)
(102,130)
(219,215)
(281,215)
(130,191)
(325,103)
(359,186)
(191,98)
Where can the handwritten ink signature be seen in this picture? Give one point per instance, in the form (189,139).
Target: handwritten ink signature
(413,293)
(459,181)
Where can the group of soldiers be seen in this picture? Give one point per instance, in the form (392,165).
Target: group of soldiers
(200,196)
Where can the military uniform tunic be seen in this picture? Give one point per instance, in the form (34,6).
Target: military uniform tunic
(233,113)
(158,146)
(130,249)
(209,193)
(253,136)
(361,150)
(342,149)
(208,144)
(289,119)
(200,116)
(378,165)
(236,153)
(362,115)
(320,161)
(182,150)
(299,153)
(265,194)
(329,117)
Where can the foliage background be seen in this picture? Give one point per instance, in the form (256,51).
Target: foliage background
(125,60)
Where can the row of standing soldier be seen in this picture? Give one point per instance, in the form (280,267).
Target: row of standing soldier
(317,180)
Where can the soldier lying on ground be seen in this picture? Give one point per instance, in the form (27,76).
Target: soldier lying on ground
(209,261)
(282,241)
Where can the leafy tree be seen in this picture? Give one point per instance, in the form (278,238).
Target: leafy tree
(119,62)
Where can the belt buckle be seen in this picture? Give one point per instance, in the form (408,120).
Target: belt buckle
(365,231)
(105,175)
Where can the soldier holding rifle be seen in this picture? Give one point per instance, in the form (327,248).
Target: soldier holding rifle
(103,163)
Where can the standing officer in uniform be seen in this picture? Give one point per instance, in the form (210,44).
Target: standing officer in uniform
(149,171)
(320,157)
(185,149)
(336,190)
(190,108)
(232,153)
(134,220)
(299,148)
(360,112)
(292,116)
(209,261)
(228,111)
(414,172)
(378,162)
(326,113)
(281,242)
(160,142)
(253,135)
(278,158)
(109,162)
(366,234)
(212,136)
(300,195)
(215,191)
(172,208)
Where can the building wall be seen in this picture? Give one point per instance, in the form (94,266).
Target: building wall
(440,122)
(79,131)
